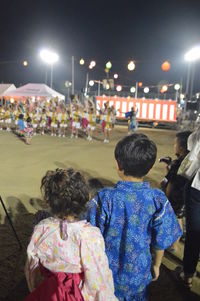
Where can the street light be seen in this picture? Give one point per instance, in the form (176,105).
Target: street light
(190,57)
(50,58)
(193,54)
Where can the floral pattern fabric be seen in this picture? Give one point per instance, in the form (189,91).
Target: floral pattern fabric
(81,250)
(131,217)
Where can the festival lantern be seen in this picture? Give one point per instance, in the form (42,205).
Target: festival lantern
(106,70)
(131,66)
(109,65)
(164,89)
(91,83)
(107,86)
(25,63)
(119,88)
(140,84)
(166,66)
(132,89)
(115,75)
(81,62)
(177,87)
(146,90)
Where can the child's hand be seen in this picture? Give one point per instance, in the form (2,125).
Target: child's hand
(155,272)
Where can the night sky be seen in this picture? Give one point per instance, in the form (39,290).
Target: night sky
(148,32)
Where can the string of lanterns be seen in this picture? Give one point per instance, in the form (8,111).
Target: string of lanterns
(165,67)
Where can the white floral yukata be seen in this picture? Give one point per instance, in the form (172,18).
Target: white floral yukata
(81,249)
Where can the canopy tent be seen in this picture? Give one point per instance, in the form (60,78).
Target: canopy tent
(34,90)
(4,88)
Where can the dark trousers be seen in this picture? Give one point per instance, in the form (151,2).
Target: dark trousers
(192,241)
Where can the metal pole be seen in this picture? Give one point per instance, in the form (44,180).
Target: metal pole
(72,75)
(51,76)
(86,84)
(188,80)
(192,80)
(136,90)
(99,87)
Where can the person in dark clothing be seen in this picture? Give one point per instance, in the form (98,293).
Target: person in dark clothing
(173,184)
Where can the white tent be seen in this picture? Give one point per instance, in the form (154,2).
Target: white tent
(34,90)
(4,88)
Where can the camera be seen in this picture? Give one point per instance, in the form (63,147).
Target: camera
(167,160)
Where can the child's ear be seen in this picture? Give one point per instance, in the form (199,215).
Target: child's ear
(117,165)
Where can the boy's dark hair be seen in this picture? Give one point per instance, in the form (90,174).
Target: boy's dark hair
(65,191)
(21,116)
(94,186)
(29,120)
(182,138)
(135,155)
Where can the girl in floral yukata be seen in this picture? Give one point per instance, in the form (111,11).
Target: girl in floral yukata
(132,216)
(66,257)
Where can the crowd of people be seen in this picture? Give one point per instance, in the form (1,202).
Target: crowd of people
(107,243)
(54,117)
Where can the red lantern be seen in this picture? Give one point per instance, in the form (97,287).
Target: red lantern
(166,66)
(140,84)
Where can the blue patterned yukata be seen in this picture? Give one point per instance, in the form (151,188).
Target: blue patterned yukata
(132,216)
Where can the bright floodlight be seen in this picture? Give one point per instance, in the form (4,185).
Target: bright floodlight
(177,87)
(146,90)
(132,89)
(91,83)
(193,54)
(48,56)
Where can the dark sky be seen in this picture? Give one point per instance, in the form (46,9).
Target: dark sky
(144,30)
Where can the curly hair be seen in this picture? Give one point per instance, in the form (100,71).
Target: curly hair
(65,191)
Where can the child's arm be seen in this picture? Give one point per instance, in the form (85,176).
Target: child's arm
(98,282)
(156,264)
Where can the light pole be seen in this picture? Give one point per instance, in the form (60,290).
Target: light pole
(50,58)
(190,57)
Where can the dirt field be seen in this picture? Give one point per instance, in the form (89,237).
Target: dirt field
(22,168)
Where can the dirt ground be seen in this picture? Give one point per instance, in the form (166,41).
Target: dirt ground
(22,168)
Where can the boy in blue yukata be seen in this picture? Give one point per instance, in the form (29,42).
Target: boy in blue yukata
(132,217)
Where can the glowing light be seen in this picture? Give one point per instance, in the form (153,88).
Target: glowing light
(91,83)
(48,56)
(106,70)
(193,54)
(12,100)
(119,88)
(68,84)
(81,62)
(166,66)
(164,89)
(25,63)
(116,76)
(146,90)
(132,89)
(92,64)
(140,84)
(109,65)
(131,66)
(177,87)
(182,96)
(107,86)
(90,67)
